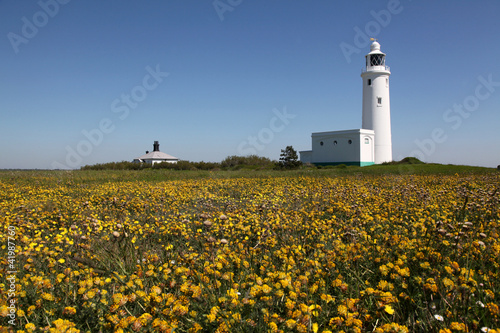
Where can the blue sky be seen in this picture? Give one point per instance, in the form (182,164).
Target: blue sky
(85,82)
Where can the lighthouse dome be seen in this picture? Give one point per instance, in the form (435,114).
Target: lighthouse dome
(375,46)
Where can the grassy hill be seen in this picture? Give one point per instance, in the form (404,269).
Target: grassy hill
(403,167)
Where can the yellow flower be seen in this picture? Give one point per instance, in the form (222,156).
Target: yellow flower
(342,309)
(384,285)
(30,309)
(404,272)
(62,325)
(145,318)
(69,310)
(493,308)
(266,289)
(156,290)
(119,299)
(389,309)
(4,311)
(290,323)
(336,321)
(301,328)
(384,270)
(457,326)
(211,317)
(448,283)
(30,327)
(89,295)
(425,265)
(161,325)
(48,297)
(273,327)
(392,327)
(314,309)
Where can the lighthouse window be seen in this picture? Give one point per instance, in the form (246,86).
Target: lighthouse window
(350,141)
(367,141)
(335,142)
(321,143)
(377,60)
(379,101)
(369,82)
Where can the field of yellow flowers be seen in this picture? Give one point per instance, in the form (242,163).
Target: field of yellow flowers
(287,253)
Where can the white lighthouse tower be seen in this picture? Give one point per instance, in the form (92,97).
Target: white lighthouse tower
(376,103)
(372,144)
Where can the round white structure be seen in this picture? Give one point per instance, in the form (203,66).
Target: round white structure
(376,102)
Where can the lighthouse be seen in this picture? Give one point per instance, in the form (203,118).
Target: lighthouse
(372,143)
(376,102)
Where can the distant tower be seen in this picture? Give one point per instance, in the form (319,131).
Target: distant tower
(376,103)
(156,146)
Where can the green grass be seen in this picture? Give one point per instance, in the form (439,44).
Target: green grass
(92,176)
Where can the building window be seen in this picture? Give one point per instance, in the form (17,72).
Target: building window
(350,141)
(367,141)
(379,101)
(321,143)
(377,60)
(369,82)
(335,142)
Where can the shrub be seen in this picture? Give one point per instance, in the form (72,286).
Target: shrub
(406,160)
(238,162)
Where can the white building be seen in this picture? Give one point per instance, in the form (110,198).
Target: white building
(156,156)
(372,144)
(351,147)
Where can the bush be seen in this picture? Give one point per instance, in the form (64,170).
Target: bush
(406,160)
(123,165)
(250,162)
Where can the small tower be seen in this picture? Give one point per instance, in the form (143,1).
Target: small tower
(156,146)
(376,103)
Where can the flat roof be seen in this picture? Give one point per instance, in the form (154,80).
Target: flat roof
(357,131)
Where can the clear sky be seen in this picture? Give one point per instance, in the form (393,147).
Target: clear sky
(85,82)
